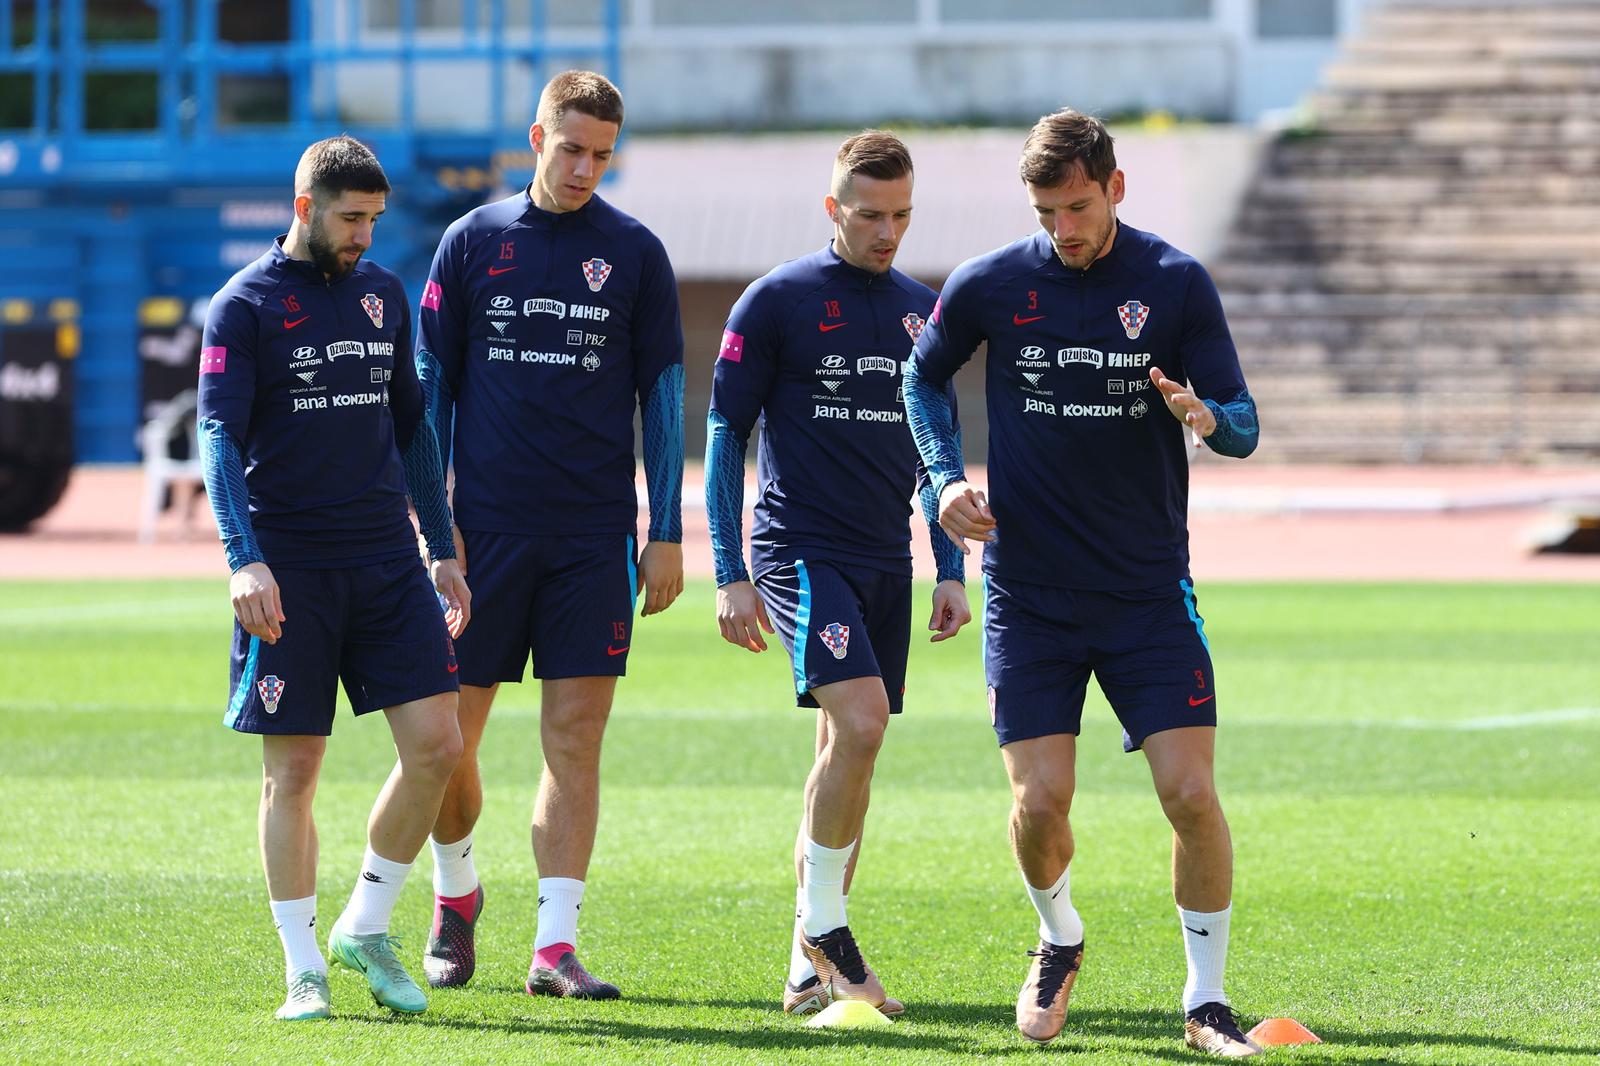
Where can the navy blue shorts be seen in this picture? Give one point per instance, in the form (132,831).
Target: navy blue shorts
(377,628)
(1147,649)
(566,600)
(840,622)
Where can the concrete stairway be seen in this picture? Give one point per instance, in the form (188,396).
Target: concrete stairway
(1415,273)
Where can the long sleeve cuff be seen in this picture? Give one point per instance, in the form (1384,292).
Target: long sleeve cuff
(725,452)
(1237,430)
(663,455)
(948,561)
(222,465)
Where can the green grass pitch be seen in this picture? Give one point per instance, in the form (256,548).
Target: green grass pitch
(1412,774)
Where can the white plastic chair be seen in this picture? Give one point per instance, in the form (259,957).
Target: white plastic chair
(161,471)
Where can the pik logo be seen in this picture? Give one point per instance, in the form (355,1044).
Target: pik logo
(271,688)
(591,362)
(913,324)
(595,272)
(836,638)
(1139,409)
(1133,316)
(374,309)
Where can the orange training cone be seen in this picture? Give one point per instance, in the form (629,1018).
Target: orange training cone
(1274,1032)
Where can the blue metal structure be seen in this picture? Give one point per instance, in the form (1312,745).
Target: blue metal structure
(109,218)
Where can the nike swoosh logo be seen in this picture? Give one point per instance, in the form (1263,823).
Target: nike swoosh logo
(823,327)
(291,325)
(1197,932)
(453,667)
(1018,320)
(1057,892)
(1195,703)
(616,651)
(495,272)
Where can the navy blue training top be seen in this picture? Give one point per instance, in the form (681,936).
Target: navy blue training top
(1088,471)
(303,373)
(549,329)
(818,348)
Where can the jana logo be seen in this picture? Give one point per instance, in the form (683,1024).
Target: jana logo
(836,638)
(271,689)
(500,302)
(833,362)
(305,353)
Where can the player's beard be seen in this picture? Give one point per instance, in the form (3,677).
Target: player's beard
(324,255)
(1092,249)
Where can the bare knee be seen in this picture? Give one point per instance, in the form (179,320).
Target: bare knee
(859,735)
(1190,802)
(290,766)
(1042,798)
(433,749)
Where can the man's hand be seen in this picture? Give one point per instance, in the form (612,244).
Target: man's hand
(452,585)
(964,514)
(1185,406)
(742,616)
(660,575)
(950,610)
(257,604)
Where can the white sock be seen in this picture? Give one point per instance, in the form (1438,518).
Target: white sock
(454,874)
(296,920)
(1205,942)
(1059,923)
(375,894)
(560,899)
(800,968)
(822,894)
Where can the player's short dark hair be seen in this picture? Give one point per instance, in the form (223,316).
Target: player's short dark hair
(1063,141)
(873,154)
(333,167)
(582,91)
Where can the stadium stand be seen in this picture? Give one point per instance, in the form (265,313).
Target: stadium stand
(1413,275)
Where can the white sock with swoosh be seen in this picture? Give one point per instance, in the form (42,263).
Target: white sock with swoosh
(1059,923)
(1205,942)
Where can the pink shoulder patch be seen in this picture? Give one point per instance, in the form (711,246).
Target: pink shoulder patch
(732,346)
(213,360)
(431,294)
(938,305)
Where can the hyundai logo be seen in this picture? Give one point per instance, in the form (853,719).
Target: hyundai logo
(833,362)
(500,302)
(1033,352)
(304,353)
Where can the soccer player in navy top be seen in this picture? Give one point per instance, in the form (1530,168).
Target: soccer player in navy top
(312,435)
(1093,328)
(548,319)
(816,349)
